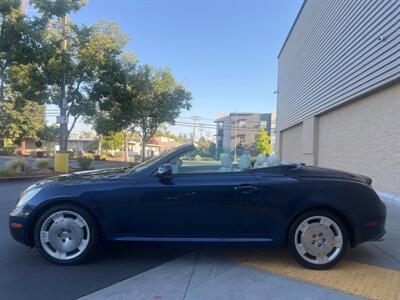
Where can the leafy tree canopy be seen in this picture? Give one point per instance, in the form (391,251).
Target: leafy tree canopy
(113,141)
(58,8)
(49,133)
(92,52)
(20,39)
(263,142)
(146,99)
(20,119)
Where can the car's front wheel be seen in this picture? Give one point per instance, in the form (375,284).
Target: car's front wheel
(66,234)
(318,240)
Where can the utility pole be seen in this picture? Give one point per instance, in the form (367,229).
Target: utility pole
(201,130)
(62,164)
(236,125)
(63,102)
(195,119)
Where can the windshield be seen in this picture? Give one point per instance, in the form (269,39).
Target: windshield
(150,161)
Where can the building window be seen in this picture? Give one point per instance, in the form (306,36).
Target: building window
(241,139)
(220,124)
(263,124)
(242,123)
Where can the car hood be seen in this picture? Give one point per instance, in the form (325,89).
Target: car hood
(317,172)
(86,176)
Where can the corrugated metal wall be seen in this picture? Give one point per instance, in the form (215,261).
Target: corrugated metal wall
(337,50)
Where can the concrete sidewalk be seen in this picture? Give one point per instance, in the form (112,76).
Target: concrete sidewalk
(211,275)
(371,270)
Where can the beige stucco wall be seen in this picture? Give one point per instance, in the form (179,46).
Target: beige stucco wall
(364,137)
(291,141)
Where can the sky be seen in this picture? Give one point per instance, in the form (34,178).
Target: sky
(223,51)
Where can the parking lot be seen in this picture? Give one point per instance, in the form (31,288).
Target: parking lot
(129,272)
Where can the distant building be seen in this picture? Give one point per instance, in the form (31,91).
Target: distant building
(165,143)
(135,148)
(239,130)
(28,146)
(339,89)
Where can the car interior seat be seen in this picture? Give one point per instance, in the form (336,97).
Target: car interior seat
(226,163)
(261,161)
(245,162)
(273,160)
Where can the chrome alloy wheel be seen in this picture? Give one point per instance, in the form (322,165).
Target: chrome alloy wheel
(318,240)
(64,235)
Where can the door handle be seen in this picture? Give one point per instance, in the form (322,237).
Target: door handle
(246,188)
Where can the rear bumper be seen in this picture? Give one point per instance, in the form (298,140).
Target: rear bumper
(382,238)
(371,227)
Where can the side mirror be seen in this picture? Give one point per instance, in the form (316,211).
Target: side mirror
(165,171)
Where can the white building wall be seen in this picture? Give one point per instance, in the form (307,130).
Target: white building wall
(364,137)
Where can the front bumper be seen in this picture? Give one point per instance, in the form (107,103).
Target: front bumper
(20,233)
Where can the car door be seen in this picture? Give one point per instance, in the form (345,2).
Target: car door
(197,205)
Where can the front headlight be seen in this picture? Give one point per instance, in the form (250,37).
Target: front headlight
(27,195)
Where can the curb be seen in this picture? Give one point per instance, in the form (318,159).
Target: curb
(389,198)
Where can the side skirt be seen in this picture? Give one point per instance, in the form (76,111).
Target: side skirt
(193,240)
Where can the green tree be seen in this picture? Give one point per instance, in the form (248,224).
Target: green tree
(263,142)
(147,99)
(159,100)
(113,141)
(21,119)
(58,8)
(91,50)
(164,132)
(49,133)
(20,39)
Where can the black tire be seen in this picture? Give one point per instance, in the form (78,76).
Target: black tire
(93,236)
(292,240)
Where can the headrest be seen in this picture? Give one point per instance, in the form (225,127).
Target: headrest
(273,160)
(261,158)
(225,160)
(261,161)
(245,162)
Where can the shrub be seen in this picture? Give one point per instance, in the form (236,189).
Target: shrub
(85,163)
(4,173)
(8,151)
(43,164)
(197,157)
(18,165)
(97,157)
(109,154)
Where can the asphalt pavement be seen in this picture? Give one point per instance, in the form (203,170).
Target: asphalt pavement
(122,271)
(24,274)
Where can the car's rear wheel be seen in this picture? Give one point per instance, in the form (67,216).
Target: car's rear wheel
(318,240)
(66,234)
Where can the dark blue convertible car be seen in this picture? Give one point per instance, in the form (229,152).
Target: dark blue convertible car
(318,213)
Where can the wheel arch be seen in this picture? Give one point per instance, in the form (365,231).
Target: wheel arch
(346,221)
(49,204)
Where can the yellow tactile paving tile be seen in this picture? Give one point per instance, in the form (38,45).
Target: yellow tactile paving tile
(349,277)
